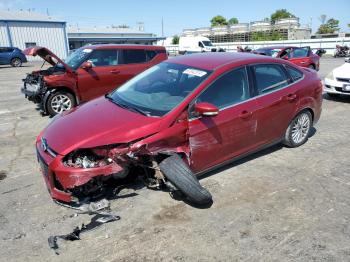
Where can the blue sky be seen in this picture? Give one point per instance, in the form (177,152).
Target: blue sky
(180,14)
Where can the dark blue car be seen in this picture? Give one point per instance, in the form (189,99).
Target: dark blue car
(12,56)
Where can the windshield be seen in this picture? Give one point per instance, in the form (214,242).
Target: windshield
(207,43)
(269,52)
(75,59)
(159,89)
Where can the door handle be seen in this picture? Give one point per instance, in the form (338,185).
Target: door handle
(291,97)
(245,114)
(114,71)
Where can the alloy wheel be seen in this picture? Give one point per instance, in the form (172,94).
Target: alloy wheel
(301,127)
(61,103)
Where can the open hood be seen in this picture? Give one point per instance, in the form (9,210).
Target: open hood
(45,54)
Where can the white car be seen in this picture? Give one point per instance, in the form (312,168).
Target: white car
(337,82)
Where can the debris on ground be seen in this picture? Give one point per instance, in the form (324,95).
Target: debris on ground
(103,215)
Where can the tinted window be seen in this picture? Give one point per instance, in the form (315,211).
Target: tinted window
(6,50)
(294,73)
(229,89)
(300,52)
(150,54)
(134,56)
(104,57)
(269,78)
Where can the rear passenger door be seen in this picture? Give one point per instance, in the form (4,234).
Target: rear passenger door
(277,98)
(132,62)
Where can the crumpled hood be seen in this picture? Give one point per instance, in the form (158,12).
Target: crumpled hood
(45,54)
(342,71)
(97,123)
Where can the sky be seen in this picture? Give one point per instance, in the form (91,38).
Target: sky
(180,14)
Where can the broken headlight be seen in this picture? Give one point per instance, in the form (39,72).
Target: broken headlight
(87,158)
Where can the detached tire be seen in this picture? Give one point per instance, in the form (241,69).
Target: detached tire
(298,130)
(59,102)
(16,62)
(178,173)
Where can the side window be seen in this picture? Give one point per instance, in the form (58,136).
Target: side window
(300,52)
(132,56)
(107,57)
(227,90)
(200,44)
(286,52)
(294,73)
(269,77)
(150,54)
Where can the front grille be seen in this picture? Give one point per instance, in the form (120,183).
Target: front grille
(346,80)
(339,89)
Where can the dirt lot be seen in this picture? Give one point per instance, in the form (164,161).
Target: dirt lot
(278,205)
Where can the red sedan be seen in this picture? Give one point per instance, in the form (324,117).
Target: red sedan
(301,56)
(179,119)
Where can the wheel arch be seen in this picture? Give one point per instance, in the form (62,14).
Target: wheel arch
(54,90)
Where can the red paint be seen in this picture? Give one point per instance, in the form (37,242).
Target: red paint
(207,140)
(87,83)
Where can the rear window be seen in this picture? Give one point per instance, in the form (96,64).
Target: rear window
(294,73)
(133,56)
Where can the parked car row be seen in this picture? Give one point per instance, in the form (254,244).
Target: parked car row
(168,121)
(12,56)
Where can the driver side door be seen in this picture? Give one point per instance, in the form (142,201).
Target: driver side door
(215,139)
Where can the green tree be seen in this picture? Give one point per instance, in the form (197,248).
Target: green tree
(349,25)
(280,14)
(233,21)
(218,21)
(329,27)
(175,40)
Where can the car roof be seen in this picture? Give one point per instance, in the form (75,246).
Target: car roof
(213,60)
(276,47)
(124,46)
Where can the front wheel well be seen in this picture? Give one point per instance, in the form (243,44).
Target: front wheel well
(63,89)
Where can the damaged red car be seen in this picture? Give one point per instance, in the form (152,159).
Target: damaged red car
(178,120)
(87,73)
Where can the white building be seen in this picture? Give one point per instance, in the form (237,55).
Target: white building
(23,29)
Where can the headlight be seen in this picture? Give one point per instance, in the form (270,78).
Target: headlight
(330,76)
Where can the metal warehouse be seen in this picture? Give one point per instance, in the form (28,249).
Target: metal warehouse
(23,29)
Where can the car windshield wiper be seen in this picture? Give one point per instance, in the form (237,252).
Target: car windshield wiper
(134,109)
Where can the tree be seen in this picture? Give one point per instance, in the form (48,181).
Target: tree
(329,27)
(280,14)
(233,21)
(218,21)
(175,40)
(349,25)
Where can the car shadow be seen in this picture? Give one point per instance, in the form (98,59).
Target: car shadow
(339,98)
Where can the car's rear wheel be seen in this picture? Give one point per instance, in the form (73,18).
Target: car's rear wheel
(180,176)
(59,102)
(16,62)
(298,130)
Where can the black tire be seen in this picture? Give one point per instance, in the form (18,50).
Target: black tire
(178,173)
(53,108)
(16,62)
(290,138)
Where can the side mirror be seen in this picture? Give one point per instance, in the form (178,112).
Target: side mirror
(87,65)
(206,109)
(285,57)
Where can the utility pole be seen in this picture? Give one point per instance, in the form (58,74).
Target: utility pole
(162,27)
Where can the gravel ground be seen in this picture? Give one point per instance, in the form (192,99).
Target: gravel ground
(277,205)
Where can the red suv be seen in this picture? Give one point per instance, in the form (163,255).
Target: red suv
(176,120)
(301,56)
(87,73)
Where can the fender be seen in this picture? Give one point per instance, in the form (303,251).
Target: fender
(45,98)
